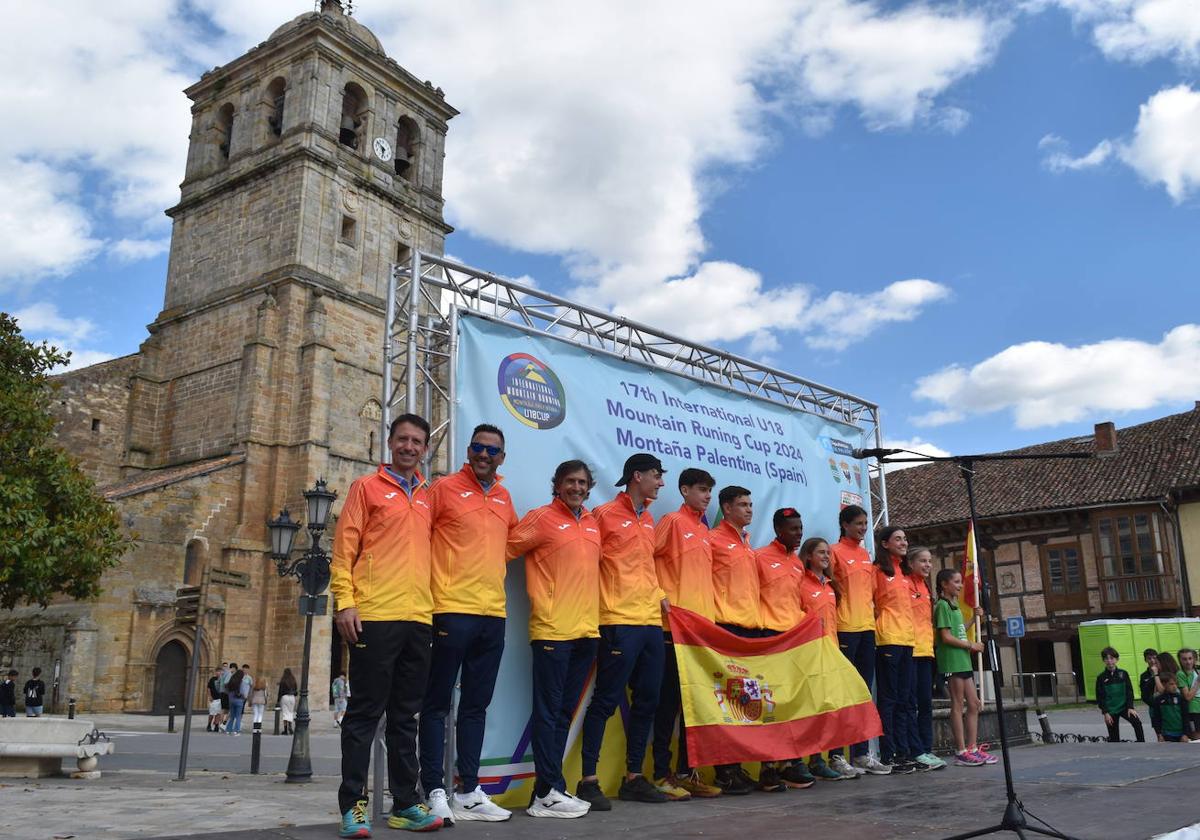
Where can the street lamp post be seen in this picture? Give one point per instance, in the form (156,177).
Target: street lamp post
(312,570)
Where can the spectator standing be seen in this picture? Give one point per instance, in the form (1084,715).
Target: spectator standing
(214,701)
(1114,696)
(287,700)
(34,694)
(8,694)
(258,699)
(340,689)
(237,703)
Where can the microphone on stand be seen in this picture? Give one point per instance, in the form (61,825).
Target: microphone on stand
(863,454)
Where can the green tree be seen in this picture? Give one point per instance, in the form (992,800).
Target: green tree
(57,535)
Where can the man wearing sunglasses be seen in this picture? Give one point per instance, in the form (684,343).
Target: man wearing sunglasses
(472,514)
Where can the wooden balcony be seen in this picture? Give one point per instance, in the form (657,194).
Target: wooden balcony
(1138,593)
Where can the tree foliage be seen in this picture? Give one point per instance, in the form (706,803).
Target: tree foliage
(57,535)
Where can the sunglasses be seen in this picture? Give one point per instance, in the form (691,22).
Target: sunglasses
(492,451)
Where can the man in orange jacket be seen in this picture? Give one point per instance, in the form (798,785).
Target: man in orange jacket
(379,578)
(631,637)
(472,517)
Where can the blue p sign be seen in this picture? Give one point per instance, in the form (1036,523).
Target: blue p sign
(1015,626)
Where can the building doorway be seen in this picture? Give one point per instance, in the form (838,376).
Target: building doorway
(170,677)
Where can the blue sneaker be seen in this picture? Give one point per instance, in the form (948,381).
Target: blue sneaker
(355,822)
(416,818)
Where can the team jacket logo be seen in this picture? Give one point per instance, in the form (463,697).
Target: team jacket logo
(391,495)
(467,494)
(742,698)
(531,391)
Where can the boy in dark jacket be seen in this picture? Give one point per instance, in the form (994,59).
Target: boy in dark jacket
(1114,696)
(1170,705)
(1150,686)
(8,694)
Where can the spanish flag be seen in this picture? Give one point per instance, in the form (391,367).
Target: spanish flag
(968,599)
(769,699)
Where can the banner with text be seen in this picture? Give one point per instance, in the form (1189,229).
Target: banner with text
(557,400)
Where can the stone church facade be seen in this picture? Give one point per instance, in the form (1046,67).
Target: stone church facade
(315,162)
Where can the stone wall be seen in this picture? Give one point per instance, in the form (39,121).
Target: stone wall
(91,410)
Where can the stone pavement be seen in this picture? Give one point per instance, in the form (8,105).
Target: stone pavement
(1092,791)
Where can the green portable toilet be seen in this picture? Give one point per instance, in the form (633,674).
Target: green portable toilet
(1170,635)
(1120,636)
(1145,635)
(1190,628)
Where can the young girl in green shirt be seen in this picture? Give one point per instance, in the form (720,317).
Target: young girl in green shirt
(953,656)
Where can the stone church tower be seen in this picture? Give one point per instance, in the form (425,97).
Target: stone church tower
(315,162)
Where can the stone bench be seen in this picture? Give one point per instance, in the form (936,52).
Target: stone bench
(37,746)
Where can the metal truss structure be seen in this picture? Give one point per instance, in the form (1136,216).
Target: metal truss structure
(426,296)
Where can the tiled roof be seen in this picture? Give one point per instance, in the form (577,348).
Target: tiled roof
(1153,458)
(155,479)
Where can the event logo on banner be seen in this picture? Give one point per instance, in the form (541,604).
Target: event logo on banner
(531,392)
(521,381)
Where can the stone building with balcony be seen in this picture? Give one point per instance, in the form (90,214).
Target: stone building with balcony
(1072,540)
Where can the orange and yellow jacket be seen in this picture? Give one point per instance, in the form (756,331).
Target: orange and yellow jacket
(779,576)
(922,616)
(562,571)
(818,597)
(893,609)
(470,534)
(629,590)
(381,551)
(683,560)
(735,578)
(850,565)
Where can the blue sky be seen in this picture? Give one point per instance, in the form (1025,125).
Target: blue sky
(982,216)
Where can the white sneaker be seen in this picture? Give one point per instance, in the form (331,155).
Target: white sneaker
(839,763)
(558,804)
(872,765)
(439,807)
(477,805)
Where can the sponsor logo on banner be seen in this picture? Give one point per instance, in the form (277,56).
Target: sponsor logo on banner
(849,498)
(833,467)
(741,697)
(837,447)
(531,391)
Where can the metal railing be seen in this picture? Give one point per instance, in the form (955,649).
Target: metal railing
(1048,685)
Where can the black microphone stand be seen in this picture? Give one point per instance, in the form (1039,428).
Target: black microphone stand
(1015,813)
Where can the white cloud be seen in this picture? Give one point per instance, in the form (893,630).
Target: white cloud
(1045,384)
(843,318)
(1138,30)
(592,132)
(41,320)
(1164,149)
(132,250)
(1057,159)
(914,445)
(43,230)
(724,302)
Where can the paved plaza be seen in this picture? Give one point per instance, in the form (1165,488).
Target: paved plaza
(1092,791)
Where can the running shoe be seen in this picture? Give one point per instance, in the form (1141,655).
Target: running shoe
(439,806)
(696,786)
(557,804)
(674,791)
(414,818)
(902,766)
(769,780)
(870,764)
(477,805)
(931,761)
(838,762)
(987,757)
(818,769)
(355,822)
(732,784)
(640,789)
(796,775)
(590,793)
(966,758)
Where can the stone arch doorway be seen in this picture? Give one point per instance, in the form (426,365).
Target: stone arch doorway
(170,677)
